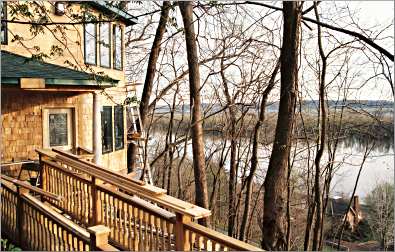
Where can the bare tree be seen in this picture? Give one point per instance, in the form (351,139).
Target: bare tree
(201,197)
(381,213)
(273,236)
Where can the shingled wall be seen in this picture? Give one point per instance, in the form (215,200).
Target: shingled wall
(22,124)
(21,121)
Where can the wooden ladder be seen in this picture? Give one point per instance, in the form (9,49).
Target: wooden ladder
(139,137)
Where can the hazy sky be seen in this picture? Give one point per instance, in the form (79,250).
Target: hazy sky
(369,15)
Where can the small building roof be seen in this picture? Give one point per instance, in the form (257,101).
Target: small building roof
(14,67)
(108,8)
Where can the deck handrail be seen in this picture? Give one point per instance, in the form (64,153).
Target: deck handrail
(148,192)
(30,187)
(33,225)
(218,238)
(155,210)
(137,214)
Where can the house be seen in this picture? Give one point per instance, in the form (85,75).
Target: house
(63,84)
(337,207)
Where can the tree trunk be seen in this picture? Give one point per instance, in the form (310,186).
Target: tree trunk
(254,157)
(149,79)
(233,152)
(274,223)
(201,194)
(153,59)
(317,184)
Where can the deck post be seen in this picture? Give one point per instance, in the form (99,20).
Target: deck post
(98,237)
(19,215)
(42,176)
(96,204)
(181,234)
(96,127)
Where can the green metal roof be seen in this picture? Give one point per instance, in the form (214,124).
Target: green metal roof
(110,9)
(14,67)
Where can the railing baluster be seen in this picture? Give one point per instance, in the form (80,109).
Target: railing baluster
(168,228)
(163,228)
(199,242)
(129,209)
(140,220)
(192,240)
(125,218)
(157,223)
(151,224)
(113,217)
(146,238)
(135,231)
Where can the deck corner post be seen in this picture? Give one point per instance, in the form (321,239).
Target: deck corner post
(181,234)
(19,215)
(98,236)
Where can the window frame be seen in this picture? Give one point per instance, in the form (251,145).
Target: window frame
(122,117)
(111,145)
(102,46)
(4,25)
(115,47)
(85,43)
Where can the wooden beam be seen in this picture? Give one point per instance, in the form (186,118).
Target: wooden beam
(32,83)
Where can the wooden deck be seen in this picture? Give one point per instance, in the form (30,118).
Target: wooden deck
(88,207)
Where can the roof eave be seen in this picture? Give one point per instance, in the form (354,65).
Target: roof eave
(64,82)
(125,17)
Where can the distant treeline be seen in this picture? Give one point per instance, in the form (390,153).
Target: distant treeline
(352,124)
(306,106)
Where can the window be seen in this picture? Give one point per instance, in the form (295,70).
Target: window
(117,48)
(4,35)
(104,44)
(58,128)
(118,127)
(90,43)
(106,129)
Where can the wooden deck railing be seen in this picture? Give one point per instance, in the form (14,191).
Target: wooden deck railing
(140,216)
(32,225)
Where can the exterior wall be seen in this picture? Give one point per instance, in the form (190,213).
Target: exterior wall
(72,45)
(22,124)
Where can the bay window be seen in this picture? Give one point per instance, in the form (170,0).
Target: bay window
(4,37)
(106,129)
(90,43)
(118,127)
(104,44)
(117,47)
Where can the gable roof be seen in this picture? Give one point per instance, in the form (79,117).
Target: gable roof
(108,8)
(14,67)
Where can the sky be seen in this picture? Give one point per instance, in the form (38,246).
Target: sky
(370,14)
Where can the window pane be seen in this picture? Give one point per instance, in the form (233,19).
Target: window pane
(58,129)
(119,130)
(106,124)
(90,44)
(105,44)
(3,7)
(117,35)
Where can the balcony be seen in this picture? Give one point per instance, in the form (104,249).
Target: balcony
(83,206)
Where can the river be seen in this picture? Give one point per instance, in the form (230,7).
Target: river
(378,166)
